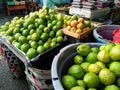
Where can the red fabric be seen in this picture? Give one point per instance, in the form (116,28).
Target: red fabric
(116,35)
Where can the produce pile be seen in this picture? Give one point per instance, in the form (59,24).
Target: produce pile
(94,68)
(36,32)
(78,25)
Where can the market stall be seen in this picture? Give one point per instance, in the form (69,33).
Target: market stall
(35,40)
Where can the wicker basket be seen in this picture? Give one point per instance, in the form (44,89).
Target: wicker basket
(38,79)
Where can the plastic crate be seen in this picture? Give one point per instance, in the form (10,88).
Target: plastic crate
(38,79)
(16,67)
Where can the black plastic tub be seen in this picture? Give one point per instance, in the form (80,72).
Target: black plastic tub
(62,61)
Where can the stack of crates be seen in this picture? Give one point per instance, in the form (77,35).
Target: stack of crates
(38,79)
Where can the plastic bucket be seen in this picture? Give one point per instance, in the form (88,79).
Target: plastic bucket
(103,34)
(62,61)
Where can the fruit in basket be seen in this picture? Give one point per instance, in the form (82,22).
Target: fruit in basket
(94,68)
(91,57)
(76,71)
(112,87)
(36,29)
(80,26)
(91,80)
(87,23)
(103,56)
(100,74)
(81,83)
(74,23)
(68,81)
(81,20)
(78,59)
(77,88)
(83,49)
(106,76)
(115,67)
(31,53)
(115,52)
(92,89)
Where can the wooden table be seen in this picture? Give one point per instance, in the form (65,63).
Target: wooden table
(16,7)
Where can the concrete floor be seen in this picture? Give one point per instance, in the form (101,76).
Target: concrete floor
(6,79)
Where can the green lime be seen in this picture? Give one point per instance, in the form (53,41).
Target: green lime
(24,47)
(81,83)
(95,49)
(76,71)
(91,80)
(83,49)
(34,44)
(31,53)
(77,88)
(84,66)
(118,82)
(115,68)
(112,87)
(78,59)
(92,89)
(94,68)
(40,49)
(68,81)
(103,56)
(92,57)
(106,76)
(100,64)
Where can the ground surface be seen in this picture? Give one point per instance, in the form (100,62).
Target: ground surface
(6,79)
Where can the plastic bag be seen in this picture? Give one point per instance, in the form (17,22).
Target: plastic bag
(116,35)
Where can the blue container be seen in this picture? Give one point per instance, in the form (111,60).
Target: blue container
(67,1)
(103,34)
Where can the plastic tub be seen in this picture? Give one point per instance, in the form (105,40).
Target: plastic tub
(62,61)
(103,34)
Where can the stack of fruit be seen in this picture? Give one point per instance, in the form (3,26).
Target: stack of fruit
(36,32)
(94,68)
(76,26)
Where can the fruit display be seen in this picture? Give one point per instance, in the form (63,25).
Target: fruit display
(94,68)
(36,32)
(77,26)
